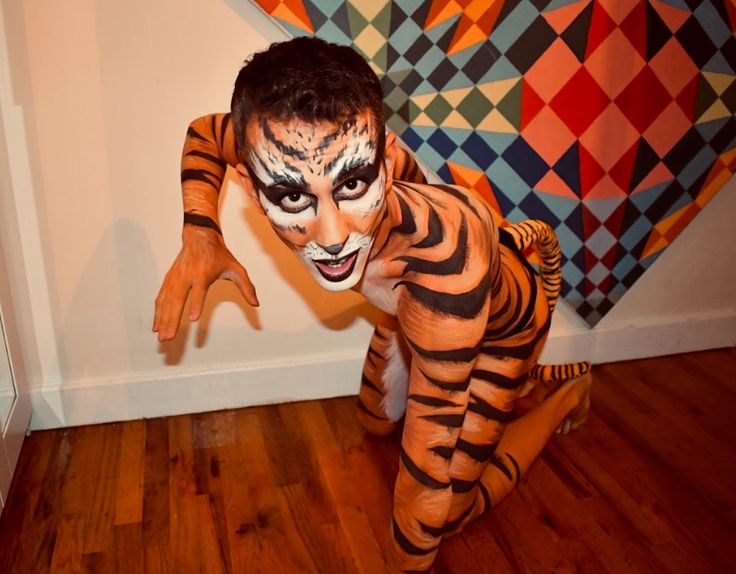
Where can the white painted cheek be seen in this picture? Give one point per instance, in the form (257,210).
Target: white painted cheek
(364,211)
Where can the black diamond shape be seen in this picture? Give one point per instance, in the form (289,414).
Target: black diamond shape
(696,42)
(605,305)
(576,34)
(479,151)
(646,160)
(442,74)
(398,17)
(684,151)
(340,18)
(664,202)
(412,80)
(535,208)
(575,222)
(696,187)
(728,97)
(392,55)
(631,215)
(657,32)
(724,138)
(728,49)
(525,161)
(482,61)
(420,47)
(636,272)
(527,49)
(568,168)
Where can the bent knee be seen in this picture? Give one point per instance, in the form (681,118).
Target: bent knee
(376,425)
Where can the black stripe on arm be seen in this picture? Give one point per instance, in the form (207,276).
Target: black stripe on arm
(464,305)
(192,133)
(218,161)
(201,221)
(201,175)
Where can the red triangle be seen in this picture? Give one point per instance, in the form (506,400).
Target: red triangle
(634,28)
(590,171)
(601,26)
(686,99)
(621,172)
(531,104)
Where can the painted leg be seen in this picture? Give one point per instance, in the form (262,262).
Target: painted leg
(382,397)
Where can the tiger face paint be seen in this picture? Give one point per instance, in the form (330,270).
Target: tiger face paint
(322,187)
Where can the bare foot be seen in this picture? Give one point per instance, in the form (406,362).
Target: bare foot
(580,388)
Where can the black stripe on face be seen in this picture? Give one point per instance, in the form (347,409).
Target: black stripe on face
(419,475)
(283,147)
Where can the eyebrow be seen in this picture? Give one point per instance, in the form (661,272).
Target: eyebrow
(366,170)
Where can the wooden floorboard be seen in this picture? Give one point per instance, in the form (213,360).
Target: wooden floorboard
(647,485)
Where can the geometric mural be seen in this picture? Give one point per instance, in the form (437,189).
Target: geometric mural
(612,120)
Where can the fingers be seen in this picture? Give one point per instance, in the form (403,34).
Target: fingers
(168,311)
(238,275)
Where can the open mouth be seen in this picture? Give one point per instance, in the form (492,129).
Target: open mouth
(337,269)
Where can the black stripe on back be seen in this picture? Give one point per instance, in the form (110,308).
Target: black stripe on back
(464,305)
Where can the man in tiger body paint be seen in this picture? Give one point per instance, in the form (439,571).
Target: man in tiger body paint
(465,316)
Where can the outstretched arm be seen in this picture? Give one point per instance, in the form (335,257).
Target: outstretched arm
(209,148)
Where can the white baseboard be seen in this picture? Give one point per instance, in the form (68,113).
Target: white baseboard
(98,401)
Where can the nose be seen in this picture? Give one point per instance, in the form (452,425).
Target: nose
(333,229)
(333,249)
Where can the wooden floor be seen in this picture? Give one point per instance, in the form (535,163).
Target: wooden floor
(647,485)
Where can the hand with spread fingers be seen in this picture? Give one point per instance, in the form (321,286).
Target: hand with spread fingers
(202,260)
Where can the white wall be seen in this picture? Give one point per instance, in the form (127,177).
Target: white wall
(99,99)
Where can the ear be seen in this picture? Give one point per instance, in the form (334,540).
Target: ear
(389,158)
(248,186)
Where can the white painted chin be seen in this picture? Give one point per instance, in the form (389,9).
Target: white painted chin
(338,274)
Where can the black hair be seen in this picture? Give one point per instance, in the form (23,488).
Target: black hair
(308,79)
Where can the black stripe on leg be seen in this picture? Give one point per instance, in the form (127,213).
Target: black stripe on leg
(497,379)
(370,413)
(419,475)
(479,452)
(516,467)
(488,411)
(486,497)
(499,464)
(407,545)
(460,486)
(432,401)
(443,451)
(452,421)
(448,526)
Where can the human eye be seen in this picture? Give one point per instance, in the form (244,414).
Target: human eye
(352,188)
(295,201)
